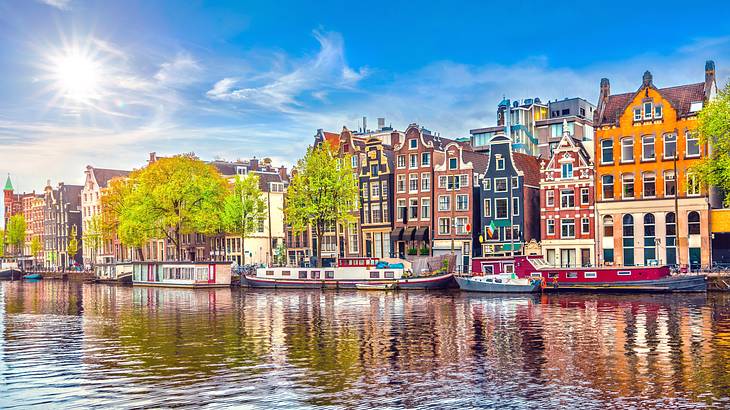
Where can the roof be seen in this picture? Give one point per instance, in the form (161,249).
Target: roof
(103,176)
(681,98)
(529,166)
(332,138)
(478,160)
(265,178)
(8,184)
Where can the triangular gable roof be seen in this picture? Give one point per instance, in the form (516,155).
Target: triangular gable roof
(574,143)
(680,97)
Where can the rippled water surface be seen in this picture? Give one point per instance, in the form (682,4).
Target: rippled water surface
(66,344)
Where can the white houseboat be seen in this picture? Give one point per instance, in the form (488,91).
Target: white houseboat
(348,274)
(113,272)
(182,274)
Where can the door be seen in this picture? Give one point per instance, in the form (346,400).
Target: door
(211,273)
(567,257)
(369,248)
(695,255)
(401,250)
(150,273)
(585,257)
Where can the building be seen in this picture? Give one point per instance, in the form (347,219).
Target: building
(61,219)
(567,211)
(575,114)
(375,163)
(455,174)
(518,121)
(650,207)
(33,205)
(509,196)
(13,202)
(349,233)
(95,183)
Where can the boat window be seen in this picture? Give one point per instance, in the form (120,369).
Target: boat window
(315,274)
(487,269)
(374,275)
(302,274)
(286,273)
(269,273)
(390,274)
(536,275)
(572,275)
(509,268)
(329,274)
(590,275)
(624,272)
(553,275)
(498,281)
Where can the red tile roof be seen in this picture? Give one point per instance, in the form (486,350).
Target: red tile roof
(332,138)
(681,97)
(530,166)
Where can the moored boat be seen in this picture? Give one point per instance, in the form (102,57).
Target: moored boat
(501,283)
(593,279)
(33,276)
(182,274)
(384,286)
(10,274)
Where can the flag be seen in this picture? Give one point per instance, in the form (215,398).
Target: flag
(491,228)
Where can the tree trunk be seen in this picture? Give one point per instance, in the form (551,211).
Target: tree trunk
(320,236)
(140,254)
(178,248)
(243,250)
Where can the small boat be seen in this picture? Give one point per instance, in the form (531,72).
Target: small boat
(33,276)
(501,283)
(380,286)
(10,274)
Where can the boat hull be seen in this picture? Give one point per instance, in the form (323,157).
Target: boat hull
(682,283)
(10,274)
(33,276)
(420,283)
(471,285)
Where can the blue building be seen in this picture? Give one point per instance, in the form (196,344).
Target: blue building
(508,195)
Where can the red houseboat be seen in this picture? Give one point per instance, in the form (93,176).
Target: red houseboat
(591,279)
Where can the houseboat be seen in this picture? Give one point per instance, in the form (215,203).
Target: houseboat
(182,274)
(591,279)
(348,274)
(9,270)
(500,283)
(113,272)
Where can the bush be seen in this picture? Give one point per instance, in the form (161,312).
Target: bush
(412,251)
(424,251)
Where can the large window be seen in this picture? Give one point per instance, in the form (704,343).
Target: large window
(460,225)
(693,144)
(401,161)
(444,203)
(376,215)
(401,183)
(453,182)
(648,110)
(566,171)
(567,228)
(401,209)
(413,209)
(413,161)
(649,238)
(693,223)
(627,149)
(608,226)
(425,182)
(462,202)
(670,146)
(671,238)
(550,198)
(606,151)
(375,190)
(500,208)
(500,184)
(648,152)
(628,240)
(413,183)
(550,225)
(567,198)
(425,209)
(607,185)
(649,180)
(627,182)
(670,184)
(353,237)
(515,206)
(425,159)
(444,226)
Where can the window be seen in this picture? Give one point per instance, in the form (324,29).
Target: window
(627,180)
(413,144)
(550,225)
(567,198)
(590,275)
(374,275)
(425,208)
(460,225)
(444,203)
(628,240)
(670,184)
(608,226)
(329,274)
(566,171)
(693,144)
(585,226)
(627,149)
(649,238)
(670,146)
(453,163)
(637,114)
(302,274)
(442,181)
(567,228)
(550,198)
(585,197)
(515,206)
(260,225)
(658,111)
(606,151)
(413,209)
(608,255)
(401,209)
(515,182)
(384,189)
(413,161)
(365,214)
(453,182)
(353,161)
(500,208)
(500,164)
(648,108)
(671,240)
(487,184)
(425,159)
(425,182)
(647,148)
(354,237)
(462,202)
(401,183)
(463,180)
(375,190)
(374,170)
(444,226)
(376,215)
(488,207)
(693,185)
(607,183)
(649,179)
(413,183)
(500,184)
(401,161)
(693,223)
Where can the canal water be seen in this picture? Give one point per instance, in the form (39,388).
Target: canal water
(66,344)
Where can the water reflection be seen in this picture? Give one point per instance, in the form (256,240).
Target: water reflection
(71,344)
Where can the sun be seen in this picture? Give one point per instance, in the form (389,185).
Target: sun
(76,75)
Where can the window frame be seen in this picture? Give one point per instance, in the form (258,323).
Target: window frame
(644,144)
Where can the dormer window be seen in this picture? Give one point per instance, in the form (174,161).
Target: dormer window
(658,111)
(695,106)
(413,144)
(648,109)
(566,171)
(241,170)
(637,114)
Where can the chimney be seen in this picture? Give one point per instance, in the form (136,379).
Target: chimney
(254,164)
(381,123)
(709,78)
(364,124)
(647,79)
(282,173)
(153,157)
(605,88)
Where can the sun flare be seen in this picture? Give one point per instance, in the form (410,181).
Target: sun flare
(76,76)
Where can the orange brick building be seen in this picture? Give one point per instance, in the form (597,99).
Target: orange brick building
(650,206)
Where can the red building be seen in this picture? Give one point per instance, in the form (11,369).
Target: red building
(567,211)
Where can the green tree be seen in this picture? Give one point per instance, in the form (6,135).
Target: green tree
(714,129)
(2,242)
(73,244)
(36,246)
(243,209)
(93,237)
(15,232)
(116,201)
(167,199)
(322,193)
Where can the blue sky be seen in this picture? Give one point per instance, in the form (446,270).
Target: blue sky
(241,79)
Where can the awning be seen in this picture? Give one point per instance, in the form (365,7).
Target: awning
(421,234)
(396,234)
(511,246)
(408,234)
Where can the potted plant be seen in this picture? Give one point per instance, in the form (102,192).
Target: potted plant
(424,251)
(412,251)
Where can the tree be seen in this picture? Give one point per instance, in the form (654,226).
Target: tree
(2,242)
(36,246)
(93,237)
(243,209)
(117,200)
(167,199)
(73,244)
(714,129)
(323,192)
(15,232)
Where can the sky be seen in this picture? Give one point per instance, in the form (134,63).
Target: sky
(105,83)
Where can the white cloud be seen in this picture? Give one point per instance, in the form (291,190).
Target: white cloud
(182,70)
(59,4)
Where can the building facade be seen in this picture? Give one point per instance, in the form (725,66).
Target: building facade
(650,207)
(96,181)
(574,115)
(61,220)
(518,121)
(567,209)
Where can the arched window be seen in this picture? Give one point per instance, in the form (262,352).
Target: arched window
(693,223)
(608,226)
(628,239)
(628,222)
(671,238)
(649,238)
